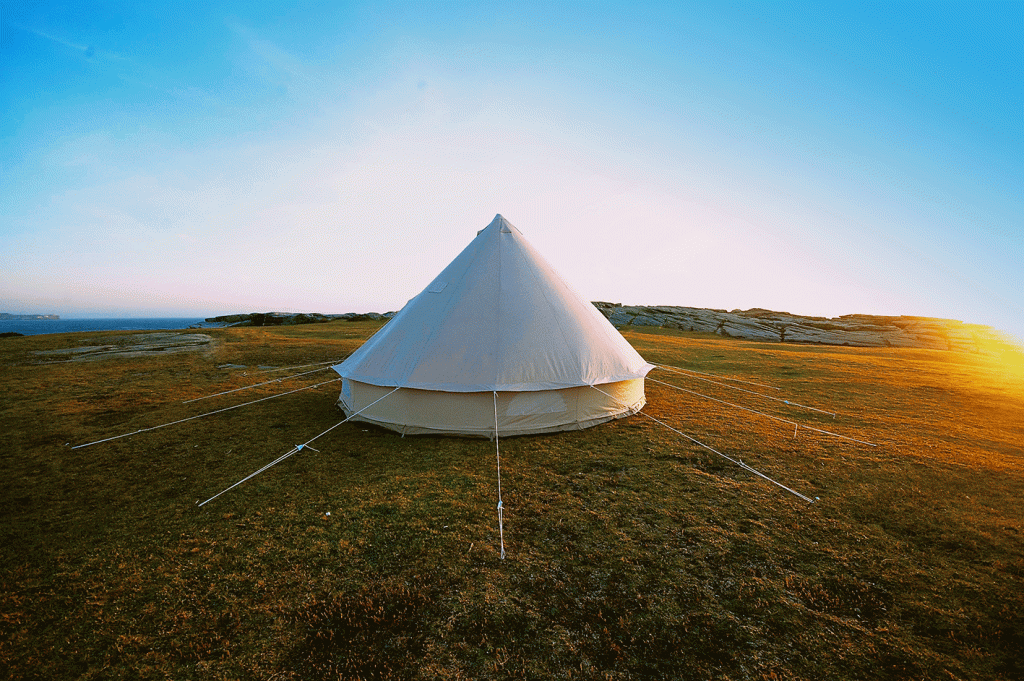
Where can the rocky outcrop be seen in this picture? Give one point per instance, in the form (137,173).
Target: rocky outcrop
(132,345)
(756,324)
(290,318)
(781,327)
(365,316)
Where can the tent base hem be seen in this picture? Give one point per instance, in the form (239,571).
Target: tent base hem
(426,412)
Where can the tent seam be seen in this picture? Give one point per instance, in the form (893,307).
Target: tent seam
(444,317)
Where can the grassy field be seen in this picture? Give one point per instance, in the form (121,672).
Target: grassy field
(632,553)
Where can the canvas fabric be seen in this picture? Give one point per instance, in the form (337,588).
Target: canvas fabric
(498,318)
(421,412)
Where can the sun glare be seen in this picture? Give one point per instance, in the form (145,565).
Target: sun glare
(1006,358)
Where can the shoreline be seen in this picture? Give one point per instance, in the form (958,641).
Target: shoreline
(42,327)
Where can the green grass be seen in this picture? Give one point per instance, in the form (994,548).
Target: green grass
(632,554)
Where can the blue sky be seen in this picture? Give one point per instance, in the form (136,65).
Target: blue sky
(818,158)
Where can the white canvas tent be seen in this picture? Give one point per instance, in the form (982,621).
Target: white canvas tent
(498,336)
(498,344)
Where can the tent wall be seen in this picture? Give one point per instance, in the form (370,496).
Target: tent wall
(417,412)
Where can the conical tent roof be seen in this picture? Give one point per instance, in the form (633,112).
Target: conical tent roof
(497,318)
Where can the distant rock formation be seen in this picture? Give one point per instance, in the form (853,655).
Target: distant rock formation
(8,315)
(856,330)
(756,324)
(290,318)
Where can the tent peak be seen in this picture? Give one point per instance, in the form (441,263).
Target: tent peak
(501,224)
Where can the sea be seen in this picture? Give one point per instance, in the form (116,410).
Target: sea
(33,327)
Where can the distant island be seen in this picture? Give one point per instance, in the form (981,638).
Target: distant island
(8,316)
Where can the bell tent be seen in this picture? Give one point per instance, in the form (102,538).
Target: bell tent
(496,342)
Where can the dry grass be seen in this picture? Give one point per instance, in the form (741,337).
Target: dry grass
(632,553)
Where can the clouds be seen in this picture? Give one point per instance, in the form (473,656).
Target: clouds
(244,159)
(271,62)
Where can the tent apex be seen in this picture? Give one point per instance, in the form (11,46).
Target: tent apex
(503,225)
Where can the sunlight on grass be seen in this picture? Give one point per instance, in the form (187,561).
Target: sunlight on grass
(632,553)
(1007,357)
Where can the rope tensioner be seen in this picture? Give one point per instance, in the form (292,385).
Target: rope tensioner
(297,448)
(497,452)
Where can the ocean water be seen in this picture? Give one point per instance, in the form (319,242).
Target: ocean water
(32,327)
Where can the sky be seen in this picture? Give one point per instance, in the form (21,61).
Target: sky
(161,159)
